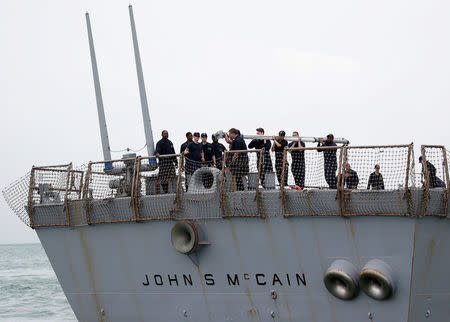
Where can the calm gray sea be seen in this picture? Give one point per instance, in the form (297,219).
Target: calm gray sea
(29,290)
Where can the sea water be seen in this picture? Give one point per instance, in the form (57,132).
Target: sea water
(29,290)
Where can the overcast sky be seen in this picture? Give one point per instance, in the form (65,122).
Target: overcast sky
(375,72)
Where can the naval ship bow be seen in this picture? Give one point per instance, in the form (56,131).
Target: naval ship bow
(143,238)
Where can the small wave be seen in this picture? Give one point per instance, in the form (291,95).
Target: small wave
(29,289)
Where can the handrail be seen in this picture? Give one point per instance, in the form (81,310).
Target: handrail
(77,183)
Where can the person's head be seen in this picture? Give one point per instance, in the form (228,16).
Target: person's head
(295,133)
(214,138)
(189,136)
(165,134)
(233,133)
(260,131)
(281,134)
(196,137)
(377,168)
(330,138)
(204,137)
(420,159)
(347,166)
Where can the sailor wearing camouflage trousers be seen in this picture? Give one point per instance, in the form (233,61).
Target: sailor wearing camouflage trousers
(279,143)
(330,161)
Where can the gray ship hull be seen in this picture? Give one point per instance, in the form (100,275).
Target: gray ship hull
(124,249)
(253,269)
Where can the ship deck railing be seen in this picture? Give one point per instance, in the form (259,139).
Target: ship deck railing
(242,184)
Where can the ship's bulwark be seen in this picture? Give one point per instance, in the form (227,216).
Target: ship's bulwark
(131,272)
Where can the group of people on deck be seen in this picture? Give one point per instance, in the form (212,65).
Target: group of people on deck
(199,152)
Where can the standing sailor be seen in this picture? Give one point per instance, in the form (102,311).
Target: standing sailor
(208,157)
(182,149)
(351,178)
(376,179)
(264,144)
(298,161)
(185,144)
(193,154)
(218,150)
(279,143)
(167,165)
(330,160)
(238,162)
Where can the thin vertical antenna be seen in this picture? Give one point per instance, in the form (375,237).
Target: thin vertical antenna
(98,96)
(140,75)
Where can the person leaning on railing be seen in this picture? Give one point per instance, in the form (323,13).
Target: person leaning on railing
(376,179)
(237,162)
(435,181)
(167,165)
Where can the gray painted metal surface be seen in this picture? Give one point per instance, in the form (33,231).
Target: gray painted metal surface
(98,95)
(103,268)
(253,269)
(142,92)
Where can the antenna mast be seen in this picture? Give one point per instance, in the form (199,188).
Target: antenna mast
(98,96)
(140,75)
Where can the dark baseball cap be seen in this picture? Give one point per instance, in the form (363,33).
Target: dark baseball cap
(281,133)
(196,134)
(377,166)
(330,136)
(204,135)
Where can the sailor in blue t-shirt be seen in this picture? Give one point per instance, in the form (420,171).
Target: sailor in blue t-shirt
(185,144)
(193,155)
(208,157)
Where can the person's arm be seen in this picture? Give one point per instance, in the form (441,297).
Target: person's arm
(233,159)
(186,151)
(227,138)
(293,144)
(202,153)
(382,182)
(319,145)
(356,181)
(252,144)
(214,160)
(158,149)
(273,146)
(276,142)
